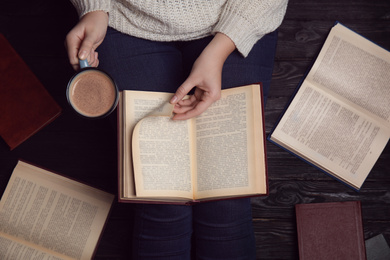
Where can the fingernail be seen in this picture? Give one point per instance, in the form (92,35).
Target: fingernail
(173,99)
(83,55)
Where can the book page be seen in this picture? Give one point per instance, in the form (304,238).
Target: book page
(12,249)
(355,69)
(230,147)
(163,157)
(135,106)
(334,136)
(53,212)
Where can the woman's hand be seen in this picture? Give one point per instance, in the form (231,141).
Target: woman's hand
(206,77)
(82,41)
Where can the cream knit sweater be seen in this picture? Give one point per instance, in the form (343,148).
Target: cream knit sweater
(243,21)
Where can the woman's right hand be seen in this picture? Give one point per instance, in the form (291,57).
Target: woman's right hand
(82,41)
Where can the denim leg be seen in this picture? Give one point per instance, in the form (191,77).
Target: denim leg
(256,67)
(223,230)
(237,70)
(162,232)
(138,64)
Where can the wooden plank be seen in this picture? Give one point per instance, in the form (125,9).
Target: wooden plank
(37,29)
(284,194)
(303,39)
(282,164)
(276,239)
(355,10)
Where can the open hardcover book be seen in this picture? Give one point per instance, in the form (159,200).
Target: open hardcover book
(220,154)
(46,216)
(339,119)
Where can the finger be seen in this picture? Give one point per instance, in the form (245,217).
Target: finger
(72,43)
(187,101)
(87,49)
(93,61)
(178,109)
(96,59)
(195,111)
(182,91)
(186,104)
(92,58)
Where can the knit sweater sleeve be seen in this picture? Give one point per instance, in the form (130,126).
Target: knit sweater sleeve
(247,21)
(86,6)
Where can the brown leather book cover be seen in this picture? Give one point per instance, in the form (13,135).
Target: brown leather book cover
(25,104)
(330,231)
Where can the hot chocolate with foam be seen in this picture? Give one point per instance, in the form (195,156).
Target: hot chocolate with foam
(92,93)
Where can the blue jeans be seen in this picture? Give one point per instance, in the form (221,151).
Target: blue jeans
(210,230)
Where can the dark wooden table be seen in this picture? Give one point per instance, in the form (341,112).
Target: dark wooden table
(86,150)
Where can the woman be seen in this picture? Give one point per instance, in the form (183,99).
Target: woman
(182,47)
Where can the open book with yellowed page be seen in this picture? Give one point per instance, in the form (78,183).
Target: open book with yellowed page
(219,154)
(47,216)
(339,119)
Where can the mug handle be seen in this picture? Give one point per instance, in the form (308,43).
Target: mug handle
(84,64)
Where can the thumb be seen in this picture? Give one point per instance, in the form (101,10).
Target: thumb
(182,91)
(86,48)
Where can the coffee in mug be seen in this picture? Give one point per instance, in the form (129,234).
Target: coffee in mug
(92,93)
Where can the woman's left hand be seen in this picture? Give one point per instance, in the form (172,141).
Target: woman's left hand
(206,77)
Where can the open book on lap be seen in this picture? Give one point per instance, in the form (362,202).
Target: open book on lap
(220,154)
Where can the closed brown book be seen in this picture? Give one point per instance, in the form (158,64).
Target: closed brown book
(330,231)
(25,104)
